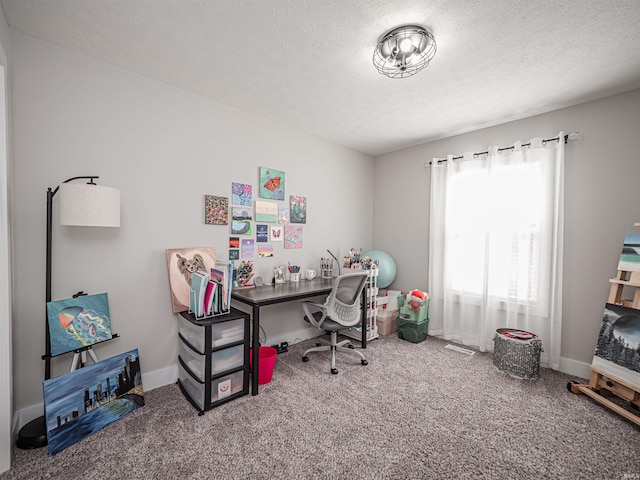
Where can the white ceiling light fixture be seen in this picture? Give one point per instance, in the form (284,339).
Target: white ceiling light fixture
(404,51)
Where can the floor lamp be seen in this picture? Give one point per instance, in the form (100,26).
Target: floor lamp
(88,205)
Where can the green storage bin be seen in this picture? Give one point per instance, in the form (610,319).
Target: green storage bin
(411,331)
(407,313)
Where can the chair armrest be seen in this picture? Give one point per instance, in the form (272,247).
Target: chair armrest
(307,308)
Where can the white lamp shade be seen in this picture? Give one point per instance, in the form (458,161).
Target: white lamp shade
(89,205)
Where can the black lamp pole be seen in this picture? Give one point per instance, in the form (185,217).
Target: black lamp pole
(50,195)
(34,433)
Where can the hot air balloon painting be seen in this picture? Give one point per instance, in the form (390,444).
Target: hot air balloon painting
(78,322)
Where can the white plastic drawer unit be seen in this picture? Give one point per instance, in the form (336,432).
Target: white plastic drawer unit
(221,333)
(220,387)
(221,360)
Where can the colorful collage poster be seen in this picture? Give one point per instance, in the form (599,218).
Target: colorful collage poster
(216,210)
(241,194)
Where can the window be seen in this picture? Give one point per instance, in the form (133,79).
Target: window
(493,219)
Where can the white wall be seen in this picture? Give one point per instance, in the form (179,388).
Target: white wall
(164,148)
(6,387)
(602,203)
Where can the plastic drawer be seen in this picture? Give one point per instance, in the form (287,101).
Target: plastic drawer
(221,360)
(220,387)
(223,333)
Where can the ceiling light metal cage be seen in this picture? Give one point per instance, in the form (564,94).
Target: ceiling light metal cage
(404,51)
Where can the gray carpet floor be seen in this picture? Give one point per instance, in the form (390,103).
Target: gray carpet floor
(417,411)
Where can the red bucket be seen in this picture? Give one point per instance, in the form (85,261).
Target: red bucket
(266,362)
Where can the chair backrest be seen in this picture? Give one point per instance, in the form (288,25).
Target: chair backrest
(343,303)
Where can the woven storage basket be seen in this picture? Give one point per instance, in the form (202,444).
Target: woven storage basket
(517,353)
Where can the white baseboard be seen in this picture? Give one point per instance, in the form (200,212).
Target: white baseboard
(574,367)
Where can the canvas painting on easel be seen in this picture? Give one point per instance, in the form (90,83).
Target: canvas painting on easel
(78,322)
(79,403)
(630,256)
(618,348)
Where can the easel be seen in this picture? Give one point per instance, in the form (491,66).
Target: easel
(80,355)
(80,358)
(603,384)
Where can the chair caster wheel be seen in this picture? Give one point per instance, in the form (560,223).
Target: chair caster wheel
(305,359)
(334,371)
(364,362)
(318,344)
(572,382)
(351,346)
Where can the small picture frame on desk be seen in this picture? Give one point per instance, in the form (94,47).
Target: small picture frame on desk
(278,274)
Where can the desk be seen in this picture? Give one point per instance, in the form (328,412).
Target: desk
(264,295)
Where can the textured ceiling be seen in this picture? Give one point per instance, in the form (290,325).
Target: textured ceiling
(307,63)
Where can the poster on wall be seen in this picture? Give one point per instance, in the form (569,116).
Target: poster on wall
(293,236)
(271,184)
(262,233)
(79,403)
(618,347)
(248,248)
(241,223)
(298,209)
(266,211)
(216,210)
(241,194)
(275,233)
(78,322)
(181,264)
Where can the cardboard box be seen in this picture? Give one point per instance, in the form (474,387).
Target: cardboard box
(386,320)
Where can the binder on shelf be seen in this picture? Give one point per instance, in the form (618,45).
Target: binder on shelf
(209,297)
(199,281)
(222,274)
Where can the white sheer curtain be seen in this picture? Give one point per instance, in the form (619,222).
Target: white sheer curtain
(495,245)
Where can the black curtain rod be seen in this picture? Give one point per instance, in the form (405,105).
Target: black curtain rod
(501,149)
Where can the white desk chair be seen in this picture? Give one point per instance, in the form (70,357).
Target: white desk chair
(339,312)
